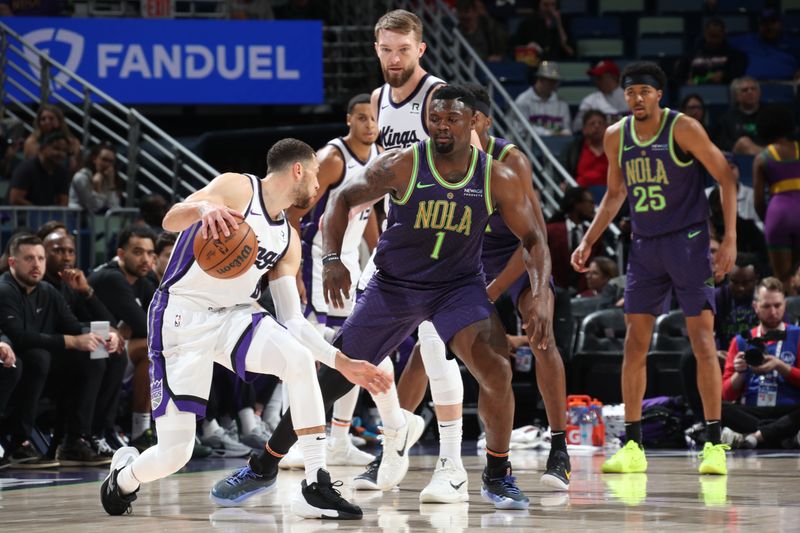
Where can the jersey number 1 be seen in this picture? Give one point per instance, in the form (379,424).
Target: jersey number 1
(438,246)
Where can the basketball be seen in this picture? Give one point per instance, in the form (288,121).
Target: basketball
(227,257)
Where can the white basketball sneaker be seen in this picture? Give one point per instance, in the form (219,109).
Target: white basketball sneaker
(396,444)
(342,452)
(448,484)
(292,459)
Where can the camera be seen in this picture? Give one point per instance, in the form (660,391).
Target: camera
(757,346)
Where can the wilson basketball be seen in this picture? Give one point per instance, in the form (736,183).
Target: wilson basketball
(227,257)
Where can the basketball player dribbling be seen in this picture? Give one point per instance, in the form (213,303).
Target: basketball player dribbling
(195,320)
(654,157)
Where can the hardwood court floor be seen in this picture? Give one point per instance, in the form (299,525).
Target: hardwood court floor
(760,494)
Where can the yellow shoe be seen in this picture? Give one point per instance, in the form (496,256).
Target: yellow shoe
(714,490)
(713,456)
(630,489)
(629,459)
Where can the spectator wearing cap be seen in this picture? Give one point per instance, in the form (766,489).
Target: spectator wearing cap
(548,115)
(714,60)
(609,98)
(771,53)
(43,179)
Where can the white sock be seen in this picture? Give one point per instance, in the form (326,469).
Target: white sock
(247,417)
(127,481)
(450,440)
(343,414)
(140,422)
(389,408)
(210,427)
(313,448)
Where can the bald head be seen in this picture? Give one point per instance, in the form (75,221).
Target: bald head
(59,253)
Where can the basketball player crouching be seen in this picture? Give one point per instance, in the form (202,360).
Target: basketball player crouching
(195,320)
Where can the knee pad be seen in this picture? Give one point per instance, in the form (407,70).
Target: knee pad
(443,374)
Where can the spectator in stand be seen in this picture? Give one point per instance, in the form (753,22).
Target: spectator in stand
(482,32)
(737,131)
(584,158)
(714,60)
(82,443)
(165,242)
(544,32)
(50,119)
(609,98)
(762,401)
(42,180)
(123,286)
(692,105)
(771,53)
(152,209)
(41,326)
(540,103)
(601,271)
(564,233)
(778,167)
(96,187)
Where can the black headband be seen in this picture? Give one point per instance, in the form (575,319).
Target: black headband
(483,108)
(640,79)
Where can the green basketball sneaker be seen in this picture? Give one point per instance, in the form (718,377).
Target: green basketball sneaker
(629,459)
(714,462)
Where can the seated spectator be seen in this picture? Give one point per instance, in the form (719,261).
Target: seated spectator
(123,286)
(540,103)
(82,408)
(152,209)
(762,401)
(584,158)
(42,180)
(737,131)
(609,98)
(564,233)
(693,106)
(601,271)
(544,32)
(41,326)
(96,187)
(487,37)
(714,60)
(749,239)
(50,119)
(778,167)
(772,54)
(165,242)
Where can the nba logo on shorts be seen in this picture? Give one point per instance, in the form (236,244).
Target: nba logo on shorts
(177,321)
(156,393)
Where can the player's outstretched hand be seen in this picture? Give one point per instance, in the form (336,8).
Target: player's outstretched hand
(579,257)
(215,220)
(335,283)
(725,257)
(363,374)
(539,323)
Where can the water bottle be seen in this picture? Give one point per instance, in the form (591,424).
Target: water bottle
(586,426)
(523,359)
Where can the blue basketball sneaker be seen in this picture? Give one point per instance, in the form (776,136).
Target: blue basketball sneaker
(241,485)
(500,488)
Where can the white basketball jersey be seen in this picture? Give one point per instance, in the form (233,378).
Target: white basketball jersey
(404,123)
(357,220)
(184,278)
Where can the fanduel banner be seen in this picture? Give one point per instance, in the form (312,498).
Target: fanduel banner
(185,61)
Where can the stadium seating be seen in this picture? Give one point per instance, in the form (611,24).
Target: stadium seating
(597,363)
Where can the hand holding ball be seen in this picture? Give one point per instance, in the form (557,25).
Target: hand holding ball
(227,257)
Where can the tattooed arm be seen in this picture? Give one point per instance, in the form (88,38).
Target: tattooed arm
(388,174)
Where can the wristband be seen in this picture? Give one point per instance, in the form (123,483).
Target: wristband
(330,258)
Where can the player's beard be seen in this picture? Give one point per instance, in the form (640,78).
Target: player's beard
(302,200)
(445,148)
(397,80)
